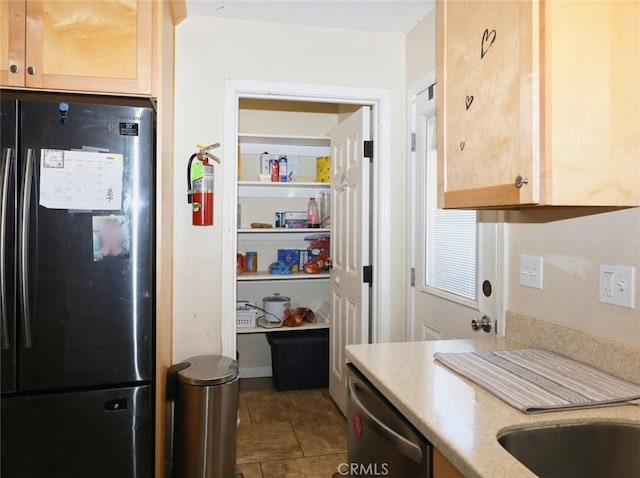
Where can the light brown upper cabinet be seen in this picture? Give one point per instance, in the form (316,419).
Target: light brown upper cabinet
(12,28)
(538,103)
(102,46)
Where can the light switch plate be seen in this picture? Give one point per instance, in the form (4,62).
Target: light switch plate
(617,285)
(531,270)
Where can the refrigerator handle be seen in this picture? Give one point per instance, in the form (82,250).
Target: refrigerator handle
(24,247)
(7,159)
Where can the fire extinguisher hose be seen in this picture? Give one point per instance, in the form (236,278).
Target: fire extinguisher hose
(189,193)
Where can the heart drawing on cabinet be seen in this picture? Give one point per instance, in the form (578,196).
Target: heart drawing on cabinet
(468,100)
(488,37)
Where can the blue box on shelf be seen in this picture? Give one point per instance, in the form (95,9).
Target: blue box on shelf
(290,258)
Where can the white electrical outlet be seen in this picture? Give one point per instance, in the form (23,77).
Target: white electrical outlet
(531,271)
(617,285)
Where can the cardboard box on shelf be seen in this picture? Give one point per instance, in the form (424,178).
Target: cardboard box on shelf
(296,224)
(295,219)
(323,169)
(290,258)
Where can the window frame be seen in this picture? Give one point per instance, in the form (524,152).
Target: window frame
(429,198)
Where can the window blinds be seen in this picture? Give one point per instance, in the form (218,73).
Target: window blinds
(451,235)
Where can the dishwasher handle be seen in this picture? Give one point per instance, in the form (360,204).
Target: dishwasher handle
(403,444)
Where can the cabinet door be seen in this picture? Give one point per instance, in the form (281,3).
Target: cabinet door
(489,106)
(443,468)
(12,28)
(89,45)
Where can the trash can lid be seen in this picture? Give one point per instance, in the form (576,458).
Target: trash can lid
(206,370)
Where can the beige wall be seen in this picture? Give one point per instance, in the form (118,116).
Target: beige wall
(208,51)
(573,247)
(291,118)
(421,49)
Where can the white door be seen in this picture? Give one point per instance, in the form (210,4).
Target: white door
(454,255)
(349,245)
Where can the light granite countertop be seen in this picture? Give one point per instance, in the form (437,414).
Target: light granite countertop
(458,417)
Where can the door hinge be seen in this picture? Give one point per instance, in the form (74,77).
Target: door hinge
(413,142)
(367,275)
(413,277)
(368,150)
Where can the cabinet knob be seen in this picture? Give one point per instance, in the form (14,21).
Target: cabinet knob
(14,68)
(520,181)
(31,70)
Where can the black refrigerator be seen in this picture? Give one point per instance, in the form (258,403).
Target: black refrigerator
(77,286)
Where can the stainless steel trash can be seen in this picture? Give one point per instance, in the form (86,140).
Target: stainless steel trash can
(205,416)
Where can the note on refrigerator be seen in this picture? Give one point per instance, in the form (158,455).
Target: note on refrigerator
(81,180)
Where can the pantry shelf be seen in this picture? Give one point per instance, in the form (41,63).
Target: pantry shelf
(292,184)
(261,139)
(262,330)
(265,276)
(283,230)
(281,190)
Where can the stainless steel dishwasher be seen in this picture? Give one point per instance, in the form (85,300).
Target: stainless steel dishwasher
(381,442)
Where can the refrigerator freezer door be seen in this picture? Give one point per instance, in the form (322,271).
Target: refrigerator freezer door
(90,319)
(8,181)
(95,434)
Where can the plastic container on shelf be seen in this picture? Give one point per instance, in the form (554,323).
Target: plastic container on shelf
(325,209)
(283,171)
(274,170)
(313,214)
(264,164)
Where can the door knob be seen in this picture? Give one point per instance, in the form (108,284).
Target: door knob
(485,323)
(31,70)
(14,68)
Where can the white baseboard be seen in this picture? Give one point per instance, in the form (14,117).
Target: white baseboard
(255,372)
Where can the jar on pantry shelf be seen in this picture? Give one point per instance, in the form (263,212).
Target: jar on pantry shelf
(251,261)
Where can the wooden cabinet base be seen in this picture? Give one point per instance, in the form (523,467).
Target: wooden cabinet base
(442,468)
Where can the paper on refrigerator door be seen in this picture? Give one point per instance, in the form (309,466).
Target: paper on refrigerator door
(81,180)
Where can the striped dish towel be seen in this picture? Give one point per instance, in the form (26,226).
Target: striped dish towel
(536,381)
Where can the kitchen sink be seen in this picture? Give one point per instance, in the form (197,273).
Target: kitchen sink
(577,450)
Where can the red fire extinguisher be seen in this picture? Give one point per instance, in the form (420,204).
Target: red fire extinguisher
(200,185)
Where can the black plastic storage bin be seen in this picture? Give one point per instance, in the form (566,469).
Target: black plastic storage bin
(300,359)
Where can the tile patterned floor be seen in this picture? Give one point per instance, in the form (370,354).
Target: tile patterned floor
(299,433)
